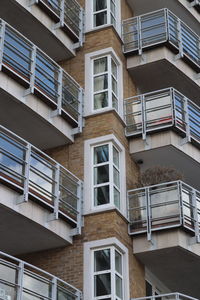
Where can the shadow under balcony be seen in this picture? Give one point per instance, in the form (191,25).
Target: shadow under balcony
(40,200)
(187,10)
(164,220)
(164,129)
(36,93)
(162,51)
(21,280)
(55,27)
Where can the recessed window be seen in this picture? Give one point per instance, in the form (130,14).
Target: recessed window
(105,83)
(108,274)
(106,175)
(104,12)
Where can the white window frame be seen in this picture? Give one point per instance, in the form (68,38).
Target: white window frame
(111,182)
(89,82)
(89,206)
(89,250)
(157,286)
(89,24)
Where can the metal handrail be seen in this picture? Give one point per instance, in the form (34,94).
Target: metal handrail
(158,27)
(24,278)
(36,174)
(69,13)
(168,296)
(163,206)
(159,110)
(43,76)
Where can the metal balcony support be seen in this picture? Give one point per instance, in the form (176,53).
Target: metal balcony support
(54,289)
(2,37)
(193,3)
(20,280)
(187,123)
(78,295)
(139,35)
(180,41)
(195,216)
(32,2)
(58,111)
(82,30)
(24,197)
(144,133)
(148,211)
(77,230)
(30,90)
(54,215)
(79,129)
(61,22)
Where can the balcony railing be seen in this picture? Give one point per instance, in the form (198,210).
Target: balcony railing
(160,110)
(69,15)
(164,206)
(37,176)
(171,296)
(21,280)
(161,27)
(195,4)
(40,75)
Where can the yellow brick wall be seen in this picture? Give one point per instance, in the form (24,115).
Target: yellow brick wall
(67,263)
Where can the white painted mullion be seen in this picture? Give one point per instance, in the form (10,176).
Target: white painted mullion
(113,287)
(111,179)
(108,12)
(109,82)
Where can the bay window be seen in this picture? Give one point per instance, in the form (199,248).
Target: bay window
(107,274)
(105,83)
(104,12)
(106,175)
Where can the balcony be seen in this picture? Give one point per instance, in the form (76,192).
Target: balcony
(170,296)
(56,26)
(165,222)
(21,280)
(164,129)
(45,95)
(187,10)
(39,198)
(160,43)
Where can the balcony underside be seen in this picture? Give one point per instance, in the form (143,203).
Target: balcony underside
(181,8)
(26,116)
(37,26)
(157,69)
(164,149)
(172,258)
(25,227)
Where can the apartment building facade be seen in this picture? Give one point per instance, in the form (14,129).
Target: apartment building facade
(93,93)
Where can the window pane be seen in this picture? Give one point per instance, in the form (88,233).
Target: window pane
(113,21)
(101,174)
(101,100)
(116,157)
(114,86)
(114,102)
(118,262)
(100,4)
(102,260)
(117,198)
(100,19)
(101,154)
(118,282)
(101,83)
(102,285)
(101,195)
(114,68)
(149,289)
(100,65)
(113,7)
(116,177)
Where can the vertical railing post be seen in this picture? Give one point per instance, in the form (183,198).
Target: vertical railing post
(180,40)
(77,230)
(139,35)
(173,106)
(148,212)
(32,2)
(24,197)
(20,276)
(193,3)
(187,122)
(78,295)
(81,27)
(80,109)
(179,186)
(54,215)
(54,289)
(30,90)
(195,214)
(62,16)
(58,110)
(2,39)
(143,115)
